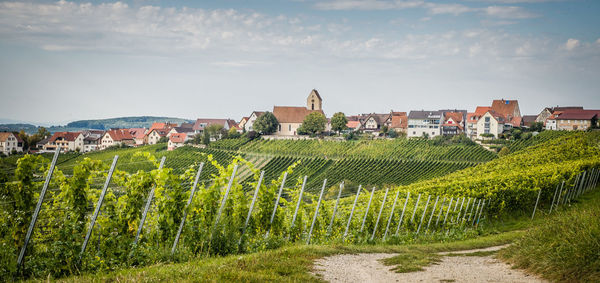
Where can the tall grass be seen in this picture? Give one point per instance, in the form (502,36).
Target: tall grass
(566,248)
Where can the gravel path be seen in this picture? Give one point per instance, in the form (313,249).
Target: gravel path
(367,268)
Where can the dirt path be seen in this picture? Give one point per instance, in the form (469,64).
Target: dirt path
(367,268)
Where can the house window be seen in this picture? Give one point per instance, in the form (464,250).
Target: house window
(414,133)
(280,127)
(313,105)
(433,133)
(290,128)
(487,119)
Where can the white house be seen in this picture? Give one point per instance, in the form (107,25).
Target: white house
(250,121)
(67,141)
(10,142)
(177,140)
(116,137)
(425,123)
(490,123)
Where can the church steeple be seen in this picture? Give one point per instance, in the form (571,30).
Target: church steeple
(314,101)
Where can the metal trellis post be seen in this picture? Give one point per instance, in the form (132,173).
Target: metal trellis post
(276,203)
(98,205)
(402,215)
(148,202)
(36,212)
(536,203)
(262,174)
(380,211)
(187,205)
(423,215)
(387,227)
(412,218)
(335,208)
(316,212)
(352,211)
(367,212)
(432,213)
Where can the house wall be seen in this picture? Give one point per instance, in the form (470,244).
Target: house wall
(371,124)
(153,137)
(573,125)
(543,116)
(288,129)
(551,124)
(418,127)
(250,123)
(492,126)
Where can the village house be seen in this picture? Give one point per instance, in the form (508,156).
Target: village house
(528,120)
(453,122)
(548,111)
(186,128)
(138,135)
(67,141)
(157,131)
(242,123)
(91,139)
(505,113)
(201,124)
(425,123)
(177,140)
(10,142)
(250,121)
(375,122)
(290,118)
(116,137)
(399,122)
(574,119)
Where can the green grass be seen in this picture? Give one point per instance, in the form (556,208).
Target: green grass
(564,249)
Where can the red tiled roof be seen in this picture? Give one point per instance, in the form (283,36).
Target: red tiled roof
(4,136)
(578,114)
(480,110)
(506,108)
(353,124)
(68,136)
(399,120)
(457,117)
(137,133)
(120,135)
(292,114)
(178,138)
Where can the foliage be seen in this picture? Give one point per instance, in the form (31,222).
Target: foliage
(266,124)
(314,123)
(338,122)
(504,151)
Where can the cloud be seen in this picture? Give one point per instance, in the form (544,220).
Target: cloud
(454,9)
(367,5)
(572,44)
(509,12)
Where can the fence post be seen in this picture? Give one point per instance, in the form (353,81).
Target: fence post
(554,198)
(560,193)
(98,205)
(38,206)
(262,174)
(476,211)
(316,212)
(464,215)
(432,213)
(335,208)
(448,210)
(148,202)
(367,212)
(224,201)
(380,211)
(387,227)
(402,216)
(298,202)
(536,203)
(276,203)
(412,218)
(352,211)
(424,212)
(187,205)
(480,212)
(441,210)
(471,212)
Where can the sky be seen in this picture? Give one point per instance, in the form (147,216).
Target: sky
(72,60)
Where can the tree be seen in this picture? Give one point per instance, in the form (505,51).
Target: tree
(314,123)
(338,122)
(504,151)
(206,138)
(163,140)
(214,130)
(537,126)
(266,124)
(233,133)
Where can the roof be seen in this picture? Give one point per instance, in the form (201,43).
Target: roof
(202,123)
(233,124)
(506,108)
(186,125)
(399,120)
(137,133)
(120,134)
(68,136)
(578,115)
(456,116)
(292,114)
(496,116)
(43,142)
(353,124)
(161,132)
(178,137)
(425,114)
(317,93)
(480,110)
(4,136)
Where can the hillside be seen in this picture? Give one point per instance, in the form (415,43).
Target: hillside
(98,124)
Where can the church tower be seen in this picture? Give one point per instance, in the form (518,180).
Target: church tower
(314,101)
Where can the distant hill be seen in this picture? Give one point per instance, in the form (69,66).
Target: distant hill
(123,122)
(17,127)
(99,124)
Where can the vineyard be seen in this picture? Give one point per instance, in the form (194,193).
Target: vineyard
(148,211)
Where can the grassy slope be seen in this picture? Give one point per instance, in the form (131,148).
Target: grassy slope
(565,248)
